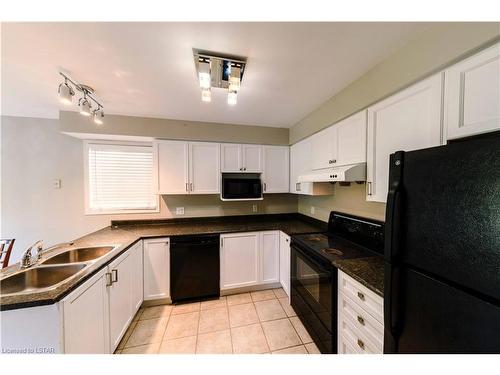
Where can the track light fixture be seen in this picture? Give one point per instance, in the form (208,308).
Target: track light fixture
(219,71)
(66,92)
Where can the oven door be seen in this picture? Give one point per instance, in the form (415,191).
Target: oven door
(313,297)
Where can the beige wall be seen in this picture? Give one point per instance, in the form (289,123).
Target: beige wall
(348,199)
(73,122)
(34,153)
(433,50)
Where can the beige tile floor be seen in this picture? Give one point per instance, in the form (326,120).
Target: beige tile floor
(247,323)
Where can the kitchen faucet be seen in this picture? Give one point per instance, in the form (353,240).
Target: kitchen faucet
(27,259)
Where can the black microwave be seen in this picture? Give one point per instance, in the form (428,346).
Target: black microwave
(241,186)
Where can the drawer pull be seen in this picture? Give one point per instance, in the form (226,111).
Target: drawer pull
(109,279)
(361,344)
(361,296)
(361,320)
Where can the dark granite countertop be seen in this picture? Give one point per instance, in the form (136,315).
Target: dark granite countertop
(124,234)
(368,271)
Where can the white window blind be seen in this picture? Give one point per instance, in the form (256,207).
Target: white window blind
(120,177)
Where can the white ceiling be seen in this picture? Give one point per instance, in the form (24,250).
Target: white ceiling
(147,69)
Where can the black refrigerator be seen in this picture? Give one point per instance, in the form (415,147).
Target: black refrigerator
(442,249)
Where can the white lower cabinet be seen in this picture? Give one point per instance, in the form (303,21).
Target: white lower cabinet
(121,297)
(248,259)
(97,314)
(269,257)
(156,268)
(86,317)
(360,318)
(285,263)
(239,260)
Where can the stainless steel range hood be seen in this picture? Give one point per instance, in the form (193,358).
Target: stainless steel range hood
(346,173)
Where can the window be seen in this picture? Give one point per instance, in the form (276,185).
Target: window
(119,178)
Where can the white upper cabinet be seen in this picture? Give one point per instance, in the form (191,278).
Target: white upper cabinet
(252,158)
(324,148)
(351,140)
(472,95)
(188,167)
(231,160)
(173,172)
(204,172)
(276,169)
(407,121)
(241,158)
(300,163)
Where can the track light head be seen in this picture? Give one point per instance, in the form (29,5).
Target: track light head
(85,106)
(66,93)
(98,115)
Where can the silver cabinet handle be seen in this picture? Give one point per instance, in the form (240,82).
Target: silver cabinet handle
(222,242)
(361,320)
(109,280)
(191,186)
(114,276)
(369,187)
(245,168)
(361,296)
(265,186)
(334,161)
(361,344)
(187,186)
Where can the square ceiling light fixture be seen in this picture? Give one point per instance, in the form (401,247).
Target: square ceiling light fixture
(216,70)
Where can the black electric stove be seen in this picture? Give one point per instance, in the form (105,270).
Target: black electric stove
(314,275)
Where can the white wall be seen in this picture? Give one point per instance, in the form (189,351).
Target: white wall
(34,153)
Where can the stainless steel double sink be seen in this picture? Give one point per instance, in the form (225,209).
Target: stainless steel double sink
(53,271)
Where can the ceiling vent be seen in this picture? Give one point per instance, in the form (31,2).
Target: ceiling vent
(216,70)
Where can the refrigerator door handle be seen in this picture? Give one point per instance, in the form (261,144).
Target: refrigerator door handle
(393,210)
(392,319)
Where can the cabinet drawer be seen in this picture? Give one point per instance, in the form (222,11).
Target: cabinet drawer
(354,341)
(366,324)
(361,295)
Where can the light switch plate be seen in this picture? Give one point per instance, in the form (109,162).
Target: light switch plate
(179,210)
(255,208)
(313,210)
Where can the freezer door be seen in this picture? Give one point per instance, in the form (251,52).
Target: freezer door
(434,317)
(443,213)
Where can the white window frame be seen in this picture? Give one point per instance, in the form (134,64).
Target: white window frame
(88,210)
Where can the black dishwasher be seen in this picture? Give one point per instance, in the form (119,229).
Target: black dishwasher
(194,267)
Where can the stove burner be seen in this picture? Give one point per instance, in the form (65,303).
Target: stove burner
(331,251)
(314,238)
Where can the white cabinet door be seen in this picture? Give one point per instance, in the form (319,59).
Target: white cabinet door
(324,148)
(204,168)
(276,169)
(252,158)
(239,260)
(137,276)
(407,121)
(86,318)
(156,268)
(231,157)
(351,137)
(173,173)
(121,300)
(269,257)
(285,262)
(472,95)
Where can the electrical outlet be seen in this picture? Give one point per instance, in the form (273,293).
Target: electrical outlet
(313,210)
(179,210)
(254,208)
